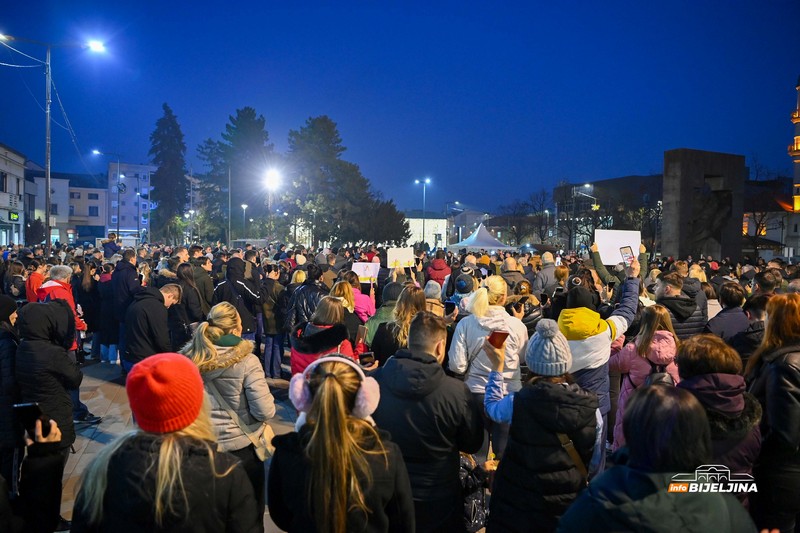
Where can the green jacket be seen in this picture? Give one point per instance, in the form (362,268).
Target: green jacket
(382,315)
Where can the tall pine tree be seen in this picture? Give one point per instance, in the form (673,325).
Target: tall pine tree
(170,186)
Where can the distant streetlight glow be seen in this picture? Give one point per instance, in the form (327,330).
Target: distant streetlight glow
(425,184)
(96,46)
(272,179)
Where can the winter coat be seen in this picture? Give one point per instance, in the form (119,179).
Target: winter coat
(146,326)
(10,433)
(39,500)
(165,277)
(15,284)
(628,499)
(727,323)
(687,317)
(384,343)
(434,306)
(59,290)
(303,303)
(110,248)
(43,370)
(733,416)
(590,339)
(466,351)
(383,314)
(635,369)
(537,479)
(205,285)
(364,305)
(545,281)
(694,289)
(32,285)
(431,417)
(239,378)
(90,305)
(243,294)
(125,282)
(309,342)
(437,271)
(746,342)
(182,315)
(777,387)
(109,326)
(388,497)
(271,312)
(214,502)
(512,277)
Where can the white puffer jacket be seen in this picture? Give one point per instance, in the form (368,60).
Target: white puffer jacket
(239,377)
(466,350)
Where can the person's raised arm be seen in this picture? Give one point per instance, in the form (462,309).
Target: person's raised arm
(624,314)
(602,272)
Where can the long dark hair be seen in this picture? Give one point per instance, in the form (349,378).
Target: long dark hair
(185,272)
(88,271)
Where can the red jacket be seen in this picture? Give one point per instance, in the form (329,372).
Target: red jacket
(32,285)
(438,271)
(61,290)
(310,342)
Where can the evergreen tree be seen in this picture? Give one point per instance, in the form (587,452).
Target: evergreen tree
(170,186)
(213,192)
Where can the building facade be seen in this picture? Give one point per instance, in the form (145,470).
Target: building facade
(434,226)
(792,235)
(12,189)
(129,203)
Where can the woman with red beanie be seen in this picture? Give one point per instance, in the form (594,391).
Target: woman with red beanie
(166,476)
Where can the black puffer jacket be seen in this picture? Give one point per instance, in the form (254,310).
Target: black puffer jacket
(537,479)
(746,342)
(431,417)
(146,326)
(687,317)
(304,302)
(44,370)
(10,434)
(181,315)
(125,282)
(239,292)
(214,502)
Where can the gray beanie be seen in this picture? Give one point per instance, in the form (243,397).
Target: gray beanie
(433,291)
(548,351)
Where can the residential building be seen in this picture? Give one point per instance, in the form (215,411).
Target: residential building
(129,203)
(12,189)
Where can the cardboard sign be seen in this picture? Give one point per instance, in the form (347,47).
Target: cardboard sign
(367,272)
(609,241)
(400,257)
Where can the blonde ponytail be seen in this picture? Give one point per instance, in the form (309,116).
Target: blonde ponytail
(223,319)
(493,292)
(479,304)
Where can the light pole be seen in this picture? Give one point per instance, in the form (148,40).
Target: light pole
(546,222)
(119,182)
(94,46)
(272,180)
(139,214)
(447,216)
(425,182)
(244,221)
(191,226)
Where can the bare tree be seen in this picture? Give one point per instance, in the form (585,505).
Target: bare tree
(540,207)
(517,220)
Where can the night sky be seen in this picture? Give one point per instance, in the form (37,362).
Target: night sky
(491,101)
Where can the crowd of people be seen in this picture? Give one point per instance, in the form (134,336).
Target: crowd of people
(586,386)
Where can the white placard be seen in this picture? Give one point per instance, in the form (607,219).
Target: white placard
(400,257)
(609,241)
(367,272)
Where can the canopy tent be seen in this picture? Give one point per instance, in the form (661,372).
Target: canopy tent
(480,239)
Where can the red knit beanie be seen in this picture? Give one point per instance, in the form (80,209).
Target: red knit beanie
(165,392)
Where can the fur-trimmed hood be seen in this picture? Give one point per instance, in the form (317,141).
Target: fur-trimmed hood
(726,428)
(310,339)
(732,412)
(167,273)
(227,356)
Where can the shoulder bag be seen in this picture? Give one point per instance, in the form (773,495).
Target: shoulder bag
(262,443)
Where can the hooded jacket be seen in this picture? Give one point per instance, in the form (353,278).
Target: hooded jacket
(627,499)
(10,434)
(431,417)
(32,285)
(43,369)
(146,326)
(466,350)
(537,479)
(545,281)
(687,317)
(727,323)
(309,342)
(125,282)
(61,290)
(437,271)
(304,302)
(239,378)
(635,369)
(512,277)
(746,342)
(733,416)
(383,314)
(243,294)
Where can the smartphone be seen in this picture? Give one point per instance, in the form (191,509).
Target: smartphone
(366,358)
(449,307)
(28,413)
(497,338)
(627,255)
(611,284)
(361,336)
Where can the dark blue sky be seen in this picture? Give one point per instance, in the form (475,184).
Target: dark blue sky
(491,102)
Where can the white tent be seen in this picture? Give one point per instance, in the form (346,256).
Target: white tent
(480,239)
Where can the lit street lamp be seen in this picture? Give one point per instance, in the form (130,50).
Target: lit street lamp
(94,46)
(272,180)
(425,184)
(244,221)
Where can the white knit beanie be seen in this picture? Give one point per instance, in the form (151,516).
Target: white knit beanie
(548,351)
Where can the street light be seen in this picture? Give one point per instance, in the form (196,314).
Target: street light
(191,226)
(595,207)
(119,178)
(244,221)
(94,46)
(272,180)
(447,216)
(425,184)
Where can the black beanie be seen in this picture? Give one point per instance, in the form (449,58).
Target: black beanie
(7,307)
(391,291)
(580,297)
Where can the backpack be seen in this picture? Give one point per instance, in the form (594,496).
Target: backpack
(658,376)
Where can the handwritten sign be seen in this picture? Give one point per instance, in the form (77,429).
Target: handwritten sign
(400,257)
(609,242)
(367,272)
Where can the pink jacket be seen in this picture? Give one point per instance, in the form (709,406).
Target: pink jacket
(364,305)
(635,369)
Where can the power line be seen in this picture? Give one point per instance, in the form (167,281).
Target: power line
(21,53)
(19,66)
(71,130)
